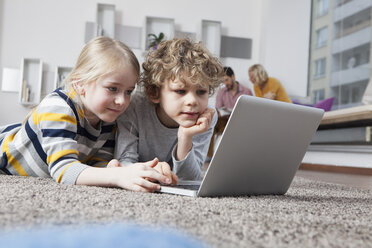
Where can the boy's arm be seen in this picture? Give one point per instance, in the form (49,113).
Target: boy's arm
(189,154)
(186,134)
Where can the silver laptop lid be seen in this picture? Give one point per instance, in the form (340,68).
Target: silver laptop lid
(261,148)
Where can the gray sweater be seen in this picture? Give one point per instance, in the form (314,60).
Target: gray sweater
(142,137)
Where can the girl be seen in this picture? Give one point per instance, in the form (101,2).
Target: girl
(70,135)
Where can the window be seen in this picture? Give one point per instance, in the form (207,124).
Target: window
(320,68)
(343,64)
(318,95)
(341,2)
(321,37)
(349,95)
(322,7)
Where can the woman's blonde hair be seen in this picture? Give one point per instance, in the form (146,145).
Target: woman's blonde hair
(100,56)
(180,58)
(259,74)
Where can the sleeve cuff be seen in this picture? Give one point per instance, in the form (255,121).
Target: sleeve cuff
(72,173)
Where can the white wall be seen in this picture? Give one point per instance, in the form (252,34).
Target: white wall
(285,42)
(53,31)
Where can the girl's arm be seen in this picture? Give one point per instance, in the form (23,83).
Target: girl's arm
(136,177)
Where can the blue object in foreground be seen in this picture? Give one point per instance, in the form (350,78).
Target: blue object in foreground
(94,236)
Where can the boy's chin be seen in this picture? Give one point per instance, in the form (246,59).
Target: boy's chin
(187,124)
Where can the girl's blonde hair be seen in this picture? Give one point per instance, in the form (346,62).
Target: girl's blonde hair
(259,74)
(100,56)
(180,58)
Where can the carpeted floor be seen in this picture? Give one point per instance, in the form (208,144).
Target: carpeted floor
(311,214)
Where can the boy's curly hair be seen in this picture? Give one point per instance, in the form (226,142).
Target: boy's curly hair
(179,58)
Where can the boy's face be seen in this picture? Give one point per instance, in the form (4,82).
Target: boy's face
(109,96)
(181,103)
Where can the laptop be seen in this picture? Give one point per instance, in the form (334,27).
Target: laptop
(259,152)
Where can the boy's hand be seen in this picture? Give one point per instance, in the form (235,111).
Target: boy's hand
(114,163)
(185,134)
(138,176)
(165,169)
(202,124)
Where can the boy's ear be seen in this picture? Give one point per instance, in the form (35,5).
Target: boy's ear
(155,99)
(154,94)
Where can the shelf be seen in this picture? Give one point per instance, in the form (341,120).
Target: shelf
(30,81)
(211,36)
(156,25)
(106,19)
(61,73)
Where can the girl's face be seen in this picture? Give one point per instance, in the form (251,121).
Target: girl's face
(109,96)
(180,104)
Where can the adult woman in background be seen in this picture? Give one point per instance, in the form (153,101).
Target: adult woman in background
(265,86)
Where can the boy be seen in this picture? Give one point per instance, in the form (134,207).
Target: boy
(169,117)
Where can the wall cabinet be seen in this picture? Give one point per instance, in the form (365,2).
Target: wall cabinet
(104,25)
(106,19)
(30,81)
(156,25)
(211,36)
(31,71)
(61,74)
(138,37)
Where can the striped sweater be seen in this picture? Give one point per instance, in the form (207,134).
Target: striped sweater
(56,141)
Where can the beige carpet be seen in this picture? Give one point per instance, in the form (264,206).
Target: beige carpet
(311,214)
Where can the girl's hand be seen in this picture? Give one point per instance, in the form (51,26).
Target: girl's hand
(165,169)
(161,167)
(138,176)
(202,124)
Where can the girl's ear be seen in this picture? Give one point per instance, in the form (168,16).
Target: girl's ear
(79,88)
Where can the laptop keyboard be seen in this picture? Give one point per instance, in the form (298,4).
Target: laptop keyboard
(192,187)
